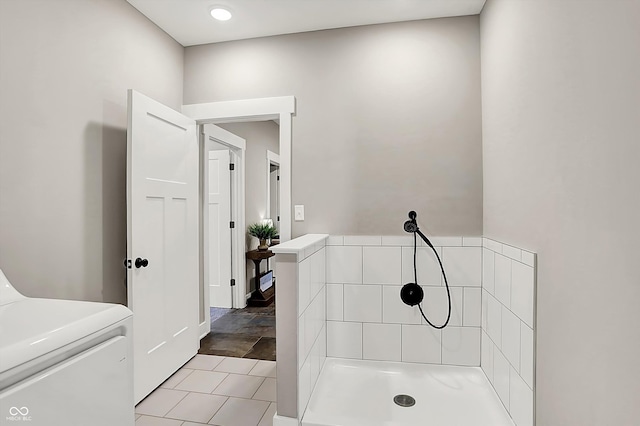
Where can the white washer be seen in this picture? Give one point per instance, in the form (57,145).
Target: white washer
(64,363)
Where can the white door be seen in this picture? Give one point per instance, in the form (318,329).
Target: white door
(219,233)
(162,240)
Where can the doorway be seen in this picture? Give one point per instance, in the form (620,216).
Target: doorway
(281,111)
(248,332)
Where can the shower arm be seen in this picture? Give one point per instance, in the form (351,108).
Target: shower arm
(424,237)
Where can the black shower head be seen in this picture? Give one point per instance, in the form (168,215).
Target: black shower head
(411,225)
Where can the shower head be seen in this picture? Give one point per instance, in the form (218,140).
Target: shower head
(411,225)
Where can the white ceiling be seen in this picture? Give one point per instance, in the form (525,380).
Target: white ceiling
(189,21)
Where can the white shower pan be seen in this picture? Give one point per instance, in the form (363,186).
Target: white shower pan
(64,363)
(361,393)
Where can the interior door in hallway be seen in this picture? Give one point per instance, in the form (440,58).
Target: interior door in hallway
(219,233)
(162,240)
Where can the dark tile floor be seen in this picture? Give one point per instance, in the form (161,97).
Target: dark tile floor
(242,333)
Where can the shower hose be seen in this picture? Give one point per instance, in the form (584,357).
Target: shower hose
(444,275)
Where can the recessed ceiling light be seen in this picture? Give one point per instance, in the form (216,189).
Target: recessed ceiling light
(221,14)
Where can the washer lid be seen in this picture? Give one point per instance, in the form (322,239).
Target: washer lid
(31,327)
(8,294)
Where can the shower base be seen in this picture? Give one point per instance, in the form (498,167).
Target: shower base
(361,393)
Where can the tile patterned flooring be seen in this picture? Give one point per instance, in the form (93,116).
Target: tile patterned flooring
(213,390)
(243,333)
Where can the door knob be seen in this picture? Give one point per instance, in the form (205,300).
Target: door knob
(141,263)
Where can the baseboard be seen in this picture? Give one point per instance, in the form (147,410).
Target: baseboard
(284,421)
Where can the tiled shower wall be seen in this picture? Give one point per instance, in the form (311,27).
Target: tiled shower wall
(312,336)
(508,325)
(366,318)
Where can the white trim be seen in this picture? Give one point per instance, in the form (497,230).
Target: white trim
(237,147)
(241,110)
(278,108)
(272,158)
(284,421)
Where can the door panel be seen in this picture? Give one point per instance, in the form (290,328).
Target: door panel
(162,213)
(219,199)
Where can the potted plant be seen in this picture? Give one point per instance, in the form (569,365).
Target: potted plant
(263,232)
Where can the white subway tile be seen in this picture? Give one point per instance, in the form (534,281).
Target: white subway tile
(344,265)
(381,342)
(335,302)
(501,372)
(461,346)
(492,245)
(463,265)
(520,400)
(511,337)
(485,308)
(527,354)
(314,362)
(528,258)
(394,311)
(429,272)
(421,343)
(522,284)
(486,356)
(494,320)
(472,241)
(382,265)
(436,305)
(304,285)
(321,309)
(344,339)
(363,303)
(488,271)
(318,266)
(362,240)
(304,386)
(309,331)
(335,240)
(446,241)
(309,251)
(323,343)
(472,307)
(503,279)
(301,343)
(397,241)
(512,252)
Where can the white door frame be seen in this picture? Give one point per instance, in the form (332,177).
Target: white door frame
(272,159)
(262,109)
(237,146)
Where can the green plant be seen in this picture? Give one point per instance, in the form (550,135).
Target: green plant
(262,231)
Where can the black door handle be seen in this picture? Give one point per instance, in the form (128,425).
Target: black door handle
(141,263)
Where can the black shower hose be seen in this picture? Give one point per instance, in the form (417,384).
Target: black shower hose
(446,283)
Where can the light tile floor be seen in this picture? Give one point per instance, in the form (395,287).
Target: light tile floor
(213,390)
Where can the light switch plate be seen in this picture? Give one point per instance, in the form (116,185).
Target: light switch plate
(298,213)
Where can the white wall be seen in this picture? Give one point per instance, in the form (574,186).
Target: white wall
(65,67)
(561,119)
(388,120)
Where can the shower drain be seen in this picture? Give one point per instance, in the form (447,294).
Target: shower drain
(404,400)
